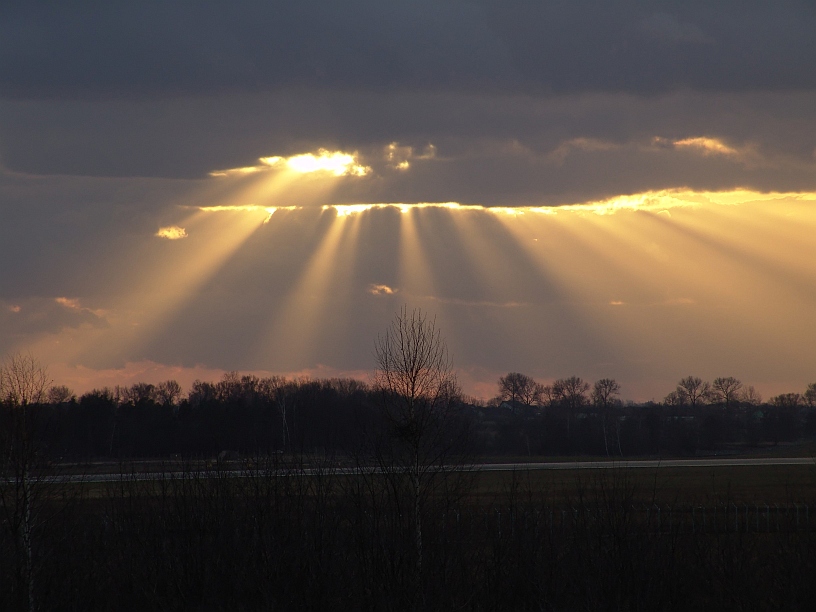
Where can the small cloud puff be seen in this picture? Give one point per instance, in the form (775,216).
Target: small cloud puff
(374,289)
(172,232)
(707,146)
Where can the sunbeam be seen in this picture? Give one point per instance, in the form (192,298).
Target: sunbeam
(637,286)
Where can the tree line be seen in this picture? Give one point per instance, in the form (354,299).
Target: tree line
(247,414)
(570,417)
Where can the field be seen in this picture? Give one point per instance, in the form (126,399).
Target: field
(268,535)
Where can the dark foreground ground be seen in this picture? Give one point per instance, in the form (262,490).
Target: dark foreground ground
(724,538)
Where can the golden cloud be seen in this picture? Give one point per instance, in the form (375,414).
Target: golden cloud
(172,232)
(381,290)
(399,157)
(706,146)
(336,163)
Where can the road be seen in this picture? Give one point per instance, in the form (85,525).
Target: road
(709,462)
(648,463)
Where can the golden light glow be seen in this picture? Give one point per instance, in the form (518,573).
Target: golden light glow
(336,163)
(707,146)
(172,232)
(660,202)
(317,293)
(233,208)
(236,171)
(650,277)
(269,210)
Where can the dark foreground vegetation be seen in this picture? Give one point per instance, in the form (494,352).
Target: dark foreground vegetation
(279,539)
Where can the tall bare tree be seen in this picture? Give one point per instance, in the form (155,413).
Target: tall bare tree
(420,399)
(604,396)
(24,384)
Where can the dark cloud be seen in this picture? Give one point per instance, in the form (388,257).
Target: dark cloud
(23,319)
(190,137)
(64,235)
(166,48)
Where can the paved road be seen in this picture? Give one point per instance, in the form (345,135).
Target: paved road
(649,463)
(479,467)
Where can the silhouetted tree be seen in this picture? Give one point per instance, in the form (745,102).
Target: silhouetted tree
(726,390)
(168,393)
(604,396)
(420,399)
(572,392)
(517,388)
(750,396)
(23,385)
(810,395)
(59,394)
(693,391)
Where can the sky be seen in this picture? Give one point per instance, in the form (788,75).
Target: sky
(605,189)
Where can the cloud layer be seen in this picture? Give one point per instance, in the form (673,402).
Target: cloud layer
(217,185)
(180,48)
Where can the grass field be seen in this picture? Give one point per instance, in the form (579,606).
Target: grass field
(750,484)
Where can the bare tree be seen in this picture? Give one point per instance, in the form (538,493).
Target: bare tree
(726,390)
(420,400)
(751,396)
(673,399)
(810,395)
(517,388)
(139,393)
(604,396)
(572,391)
(23,384)
(693,391)
(168,393)
(59,394)
(787,400)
